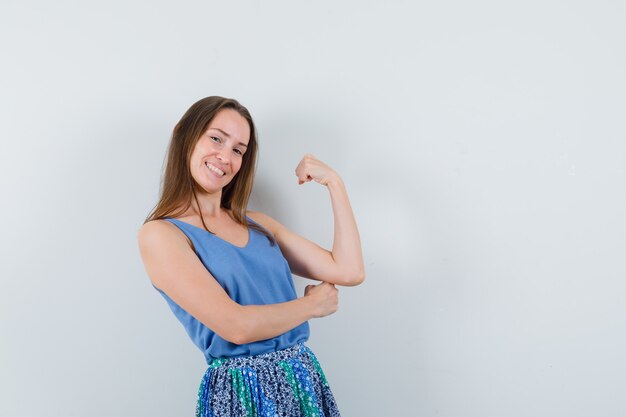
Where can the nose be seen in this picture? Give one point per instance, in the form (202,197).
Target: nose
(223,155)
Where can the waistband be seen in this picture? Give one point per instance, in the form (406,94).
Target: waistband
(263,358)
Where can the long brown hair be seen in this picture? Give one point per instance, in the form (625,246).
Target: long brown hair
(178,186)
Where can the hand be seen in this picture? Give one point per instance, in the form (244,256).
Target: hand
(311,168)
(324,297)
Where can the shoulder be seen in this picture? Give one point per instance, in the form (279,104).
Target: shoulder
(159,232)
(163,246)
(267,222)
(154,229)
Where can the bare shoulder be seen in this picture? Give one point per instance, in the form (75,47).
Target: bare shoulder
(159,232)
(165,251)
(153,230)
(273,226)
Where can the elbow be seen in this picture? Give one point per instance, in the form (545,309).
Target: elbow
(235,336)
(243,336)
(355,278)
(238,339)
(235,330)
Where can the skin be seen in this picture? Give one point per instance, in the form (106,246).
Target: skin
(173,266)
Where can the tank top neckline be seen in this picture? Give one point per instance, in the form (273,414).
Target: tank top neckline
(216,236)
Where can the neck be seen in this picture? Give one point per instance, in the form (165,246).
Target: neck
(209,205)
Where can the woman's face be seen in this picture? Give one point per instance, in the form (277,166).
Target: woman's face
(218,154)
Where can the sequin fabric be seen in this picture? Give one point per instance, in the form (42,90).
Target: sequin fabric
(284,383)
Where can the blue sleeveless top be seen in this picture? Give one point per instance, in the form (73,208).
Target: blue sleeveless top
(251,275)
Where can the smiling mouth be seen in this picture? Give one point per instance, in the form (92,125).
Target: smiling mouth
(215,169)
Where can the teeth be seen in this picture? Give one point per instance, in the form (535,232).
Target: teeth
(214,169)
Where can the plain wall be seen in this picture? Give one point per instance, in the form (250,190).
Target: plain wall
(482,144)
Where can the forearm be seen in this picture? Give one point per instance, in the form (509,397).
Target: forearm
(346,250)
(260,322)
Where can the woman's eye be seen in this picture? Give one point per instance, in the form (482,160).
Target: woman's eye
(238,152)
(216,139)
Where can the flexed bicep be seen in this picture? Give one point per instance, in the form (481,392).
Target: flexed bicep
(306,259)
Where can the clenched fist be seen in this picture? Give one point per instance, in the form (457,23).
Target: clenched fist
(324,297)
(311,168)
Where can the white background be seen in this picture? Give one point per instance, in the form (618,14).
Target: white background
(482,143)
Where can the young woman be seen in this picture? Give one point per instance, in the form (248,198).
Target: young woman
(226,272)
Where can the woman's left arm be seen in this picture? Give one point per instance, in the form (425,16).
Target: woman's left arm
(343,265)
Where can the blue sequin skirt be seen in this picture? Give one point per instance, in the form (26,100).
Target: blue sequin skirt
(284,383)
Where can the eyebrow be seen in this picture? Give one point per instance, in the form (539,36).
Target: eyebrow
(227,135)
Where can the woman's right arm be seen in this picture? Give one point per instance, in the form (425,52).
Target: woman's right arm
(174,268)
